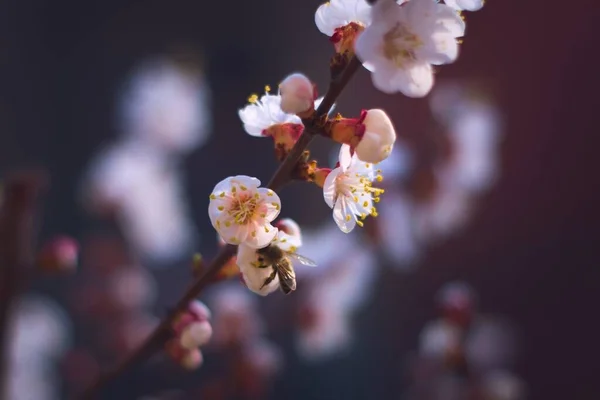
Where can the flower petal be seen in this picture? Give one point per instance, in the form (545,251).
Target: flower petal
(345,158)
(271,203)
(468,5)
(415,80)
(255,277)
(329,192)
(260,235)
(245,180)
(441,48)
(342,215)
(232,234)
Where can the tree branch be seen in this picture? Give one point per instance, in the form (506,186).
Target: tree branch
(282,176)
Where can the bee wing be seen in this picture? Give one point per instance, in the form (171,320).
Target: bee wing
(302,260)
(287,276)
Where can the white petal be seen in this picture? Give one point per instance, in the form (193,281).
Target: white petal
(213,210)
(420,11)
(329,186)
(254,120)
(341,211)
(245,255)
(255,277)
(260,236)
(232,234)
(367,46)
(338,13)
(345,158)
(440,48)
(384,76)
(245,180)
(287,242)
(468,5)
(323,20)
(416,80)
(450,20)
(272,203)
(289,227)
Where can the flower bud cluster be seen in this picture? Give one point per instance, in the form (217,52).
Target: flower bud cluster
(191,330)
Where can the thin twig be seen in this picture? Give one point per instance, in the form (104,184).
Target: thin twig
(283,174)
(16,249)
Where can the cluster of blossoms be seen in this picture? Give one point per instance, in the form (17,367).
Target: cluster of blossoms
(465,352)
(191,329)
(398,41)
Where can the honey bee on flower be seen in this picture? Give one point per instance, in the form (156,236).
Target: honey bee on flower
(266,269)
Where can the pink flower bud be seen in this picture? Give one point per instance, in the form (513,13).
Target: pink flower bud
(297,94)
(195,335)
(192,359)
(378,139)
(60,254)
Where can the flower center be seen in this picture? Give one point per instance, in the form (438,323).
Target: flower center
(242,209)
(353,185)
(399,45)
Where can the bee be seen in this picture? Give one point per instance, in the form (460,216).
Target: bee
(273,256)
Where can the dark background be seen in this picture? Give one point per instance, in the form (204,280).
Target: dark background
(531,249)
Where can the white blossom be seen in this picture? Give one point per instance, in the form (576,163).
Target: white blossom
(242,212)
(339,13)
(378,139)
(467,5)
(404,41)
(349,192)
(297,94)
(261,114)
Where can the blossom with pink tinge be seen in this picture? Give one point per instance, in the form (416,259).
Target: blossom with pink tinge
(297,94)
(191,330)
(404,41)
(349,191)
(242,212)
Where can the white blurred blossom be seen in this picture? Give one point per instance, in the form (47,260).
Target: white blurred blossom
(39,334)
(167,105)
(333,292)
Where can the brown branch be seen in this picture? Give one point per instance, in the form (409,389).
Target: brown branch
(17,233)
(282,176)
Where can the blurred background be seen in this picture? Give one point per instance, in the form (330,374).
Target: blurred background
(477,281)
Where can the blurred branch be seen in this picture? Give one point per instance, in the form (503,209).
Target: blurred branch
(17,212)
(157,339)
